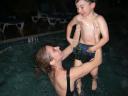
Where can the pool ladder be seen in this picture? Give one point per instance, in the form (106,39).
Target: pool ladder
(32,39)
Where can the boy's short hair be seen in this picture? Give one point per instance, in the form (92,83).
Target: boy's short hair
(91,1)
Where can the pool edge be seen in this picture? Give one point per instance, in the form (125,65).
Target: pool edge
(35,35)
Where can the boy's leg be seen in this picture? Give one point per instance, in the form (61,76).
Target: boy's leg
(94,74)
(79,83)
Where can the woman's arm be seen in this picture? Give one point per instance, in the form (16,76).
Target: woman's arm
(67,51)
(84,69)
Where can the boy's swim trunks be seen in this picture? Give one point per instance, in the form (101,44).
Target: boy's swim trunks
(80,53)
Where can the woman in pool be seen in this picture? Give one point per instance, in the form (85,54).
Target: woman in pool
(49,60)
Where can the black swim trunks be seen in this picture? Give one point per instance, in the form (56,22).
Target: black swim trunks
(80,52)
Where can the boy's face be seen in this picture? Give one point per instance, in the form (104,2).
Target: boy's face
(84,7)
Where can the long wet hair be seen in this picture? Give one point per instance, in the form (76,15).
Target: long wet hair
(90,1)
(43,59)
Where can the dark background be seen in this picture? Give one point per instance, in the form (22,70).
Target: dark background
(30,7)
(114,11)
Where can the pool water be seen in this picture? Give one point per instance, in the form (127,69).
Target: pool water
(17,70)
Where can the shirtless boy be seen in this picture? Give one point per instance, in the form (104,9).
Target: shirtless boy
(91,34)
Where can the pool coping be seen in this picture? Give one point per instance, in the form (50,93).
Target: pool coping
(35,35)
(26,39)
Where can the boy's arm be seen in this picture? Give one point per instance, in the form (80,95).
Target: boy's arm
(104,33)
(73,42)
(69,28)
(77,33)
(84,69)
(68,50)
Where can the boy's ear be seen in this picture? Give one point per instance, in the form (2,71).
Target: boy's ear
(93,5)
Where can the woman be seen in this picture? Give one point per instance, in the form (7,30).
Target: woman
(49,59)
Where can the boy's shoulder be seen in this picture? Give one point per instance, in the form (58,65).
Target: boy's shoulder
(77,17)
(99,17)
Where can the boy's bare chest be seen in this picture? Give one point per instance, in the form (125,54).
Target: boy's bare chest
(89,25)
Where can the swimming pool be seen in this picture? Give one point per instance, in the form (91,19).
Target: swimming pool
(17,69)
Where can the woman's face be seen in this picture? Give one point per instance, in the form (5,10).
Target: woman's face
(55,52)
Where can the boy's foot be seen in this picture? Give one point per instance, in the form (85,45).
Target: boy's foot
(94,84)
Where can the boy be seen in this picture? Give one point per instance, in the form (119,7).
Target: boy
(89,28)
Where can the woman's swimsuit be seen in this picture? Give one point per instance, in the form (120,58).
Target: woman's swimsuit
(69,92)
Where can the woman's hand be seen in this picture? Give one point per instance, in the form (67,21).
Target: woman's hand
(91,50)
(73,43)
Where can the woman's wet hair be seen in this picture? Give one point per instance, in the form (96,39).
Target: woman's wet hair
(43,59)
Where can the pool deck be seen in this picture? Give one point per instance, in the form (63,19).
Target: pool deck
(30,28)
